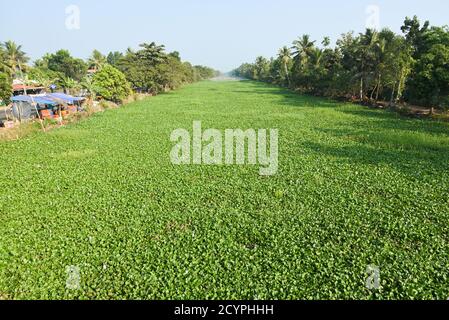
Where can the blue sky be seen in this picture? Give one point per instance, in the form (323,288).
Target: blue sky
(218,33)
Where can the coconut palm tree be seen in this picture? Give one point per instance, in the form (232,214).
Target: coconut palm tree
(96,60)
(365,58)
(302,48)
(42,63)
(326,42)
(286,56)
(15,57)
(315,57)
(129,51)
(381,46)
(4,65)
(261,68)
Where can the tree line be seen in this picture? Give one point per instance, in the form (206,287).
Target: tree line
(150,69)
(371,67)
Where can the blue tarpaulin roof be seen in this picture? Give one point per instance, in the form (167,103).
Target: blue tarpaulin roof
(36,99)
(65,97)
(51,98)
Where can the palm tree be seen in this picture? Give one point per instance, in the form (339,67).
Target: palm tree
(302,49)
(261,69)
(381,46)
(286,56)
(326,42)
(366,57)
(129,51)
(42,63)
(15,57)
(96,60)
(4,65)
(315,57)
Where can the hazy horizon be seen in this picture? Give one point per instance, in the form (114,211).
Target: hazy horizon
(219,34)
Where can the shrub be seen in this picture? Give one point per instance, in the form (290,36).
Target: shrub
(111,84)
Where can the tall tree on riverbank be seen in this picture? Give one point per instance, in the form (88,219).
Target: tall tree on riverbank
(4,63)
(16,58)
(302,51)
(96,60)
(371,66)
(428,83)
(285,56)
(63,63)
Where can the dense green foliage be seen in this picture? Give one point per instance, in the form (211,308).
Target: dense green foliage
(64,63)
(5,78)
(111,84)
(12,63)
(45,76)
(202,72)
(96,60)
(13,59)
(5,89)
(355,187)
(114,57)
(150,69)
(371,66)
(429,79)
